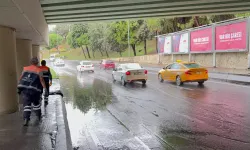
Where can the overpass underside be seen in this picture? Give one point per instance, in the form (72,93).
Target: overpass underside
(73,11)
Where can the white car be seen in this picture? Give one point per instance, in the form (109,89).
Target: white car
(59,62)
(130,72)
(85,66)
(52,58)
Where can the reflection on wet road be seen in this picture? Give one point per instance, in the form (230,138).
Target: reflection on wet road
(106,115)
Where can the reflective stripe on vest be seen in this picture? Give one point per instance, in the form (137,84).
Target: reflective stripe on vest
(45,71)
(30,79)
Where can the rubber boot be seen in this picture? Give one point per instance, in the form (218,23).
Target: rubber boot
(26,122)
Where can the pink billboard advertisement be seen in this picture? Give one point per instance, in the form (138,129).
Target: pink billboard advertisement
(201,40)
(161,43)
(231,37)
(180,43)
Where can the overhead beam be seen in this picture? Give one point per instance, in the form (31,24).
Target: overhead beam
(124,3)
(149,11)
(168,15)
(134,7)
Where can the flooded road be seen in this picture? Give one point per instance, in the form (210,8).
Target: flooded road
(105,115)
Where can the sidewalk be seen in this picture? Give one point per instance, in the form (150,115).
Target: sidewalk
(49,134)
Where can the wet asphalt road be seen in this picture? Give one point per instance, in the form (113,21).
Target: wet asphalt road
(105,115)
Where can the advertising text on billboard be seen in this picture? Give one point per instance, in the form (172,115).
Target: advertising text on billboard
(231,37)
(201,40)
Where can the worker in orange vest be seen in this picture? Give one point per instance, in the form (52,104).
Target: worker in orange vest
(47,79)
(30,86)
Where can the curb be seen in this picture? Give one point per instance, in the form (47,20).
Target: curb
(246,75)
(63,139)
(231,81)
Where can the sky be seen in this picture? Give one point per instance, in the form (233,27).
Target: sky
(51,27)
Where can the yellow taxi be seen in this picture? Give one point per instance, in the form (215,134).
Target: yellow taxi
(181,72)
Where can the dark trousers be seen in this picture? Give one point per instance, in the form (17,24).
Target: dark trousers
(47,88)
(31,97)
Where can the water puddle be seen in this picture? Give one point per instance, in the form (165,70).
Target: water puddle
(86,97)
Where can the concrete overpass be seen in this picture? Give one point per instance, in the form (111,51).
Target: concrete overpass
(61,11)
(23,26)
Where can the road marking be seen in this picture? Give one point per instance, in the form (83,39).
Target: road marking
(143,144)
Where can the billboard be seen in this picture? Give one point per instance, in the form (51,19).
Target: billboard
(168,44)
(201,40)
(160,44)
(180,43)
(231,36)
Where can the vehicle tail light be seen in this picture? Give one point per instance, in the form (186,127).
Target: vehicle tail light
(188,72)
(145,71)
(128,73)
(206,71)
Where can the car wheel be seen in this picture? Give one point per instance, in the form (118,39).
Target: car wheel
(160,78)
(178,81)
(123,82)
(144,82)
(201,82)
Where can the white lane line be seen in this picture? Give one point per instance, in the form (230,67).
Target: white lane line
(143,144)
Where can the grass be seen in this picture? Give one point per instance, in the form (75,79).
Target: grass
(76,54)
(54,74)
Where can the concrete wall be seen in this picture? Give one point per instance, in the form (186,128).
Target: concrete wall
(236,60)
(232,60)
(203,59)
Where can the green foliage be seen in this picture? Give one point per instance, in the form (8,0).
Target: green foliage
(243,15)
(218,18)
(107,37)
(62,29)
(83,40)
(54,40)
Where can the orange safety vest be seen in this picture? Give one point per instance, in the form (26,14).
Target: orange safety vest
(46,73)
(31,79)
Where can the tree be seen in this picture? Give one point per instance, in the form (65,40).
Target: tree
(84,40)
(96,35)
(78,37)
(120,33)
(218,18)
(243,15)
(143,34)
(62,29)
(54,41)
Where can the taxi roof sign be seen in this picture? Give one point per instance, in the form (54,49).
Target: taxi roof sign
(178,61)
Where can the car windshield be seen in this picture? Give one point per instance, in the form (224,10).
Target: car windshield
(52,56)
(192,65)
(108,62)
(85,63)
(132,66)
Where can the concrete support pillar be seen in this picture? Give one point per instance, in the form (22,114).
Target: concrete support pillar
(36,51)
(24,54)
(8,77)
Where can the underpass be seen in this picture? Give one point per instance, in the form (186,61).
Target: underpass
(106,115)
